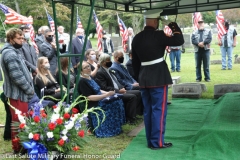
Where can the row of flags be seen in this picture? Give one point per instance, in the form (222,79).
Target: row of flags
(13,17)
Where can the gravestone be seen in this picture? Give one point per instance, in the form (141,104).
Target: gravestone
(221,89)
(187,40)
(203,86)
(187,91)
(216,61)
(176,79)
(117,43)
(214,29)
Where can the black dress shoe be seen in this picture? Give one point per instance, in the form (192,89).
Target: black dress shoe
(166,145)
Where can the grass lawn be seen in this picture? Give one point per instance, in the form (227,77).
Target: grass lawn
(115,145)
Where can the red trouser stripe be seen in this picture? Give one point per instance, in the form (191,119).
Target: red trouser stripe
(162,116)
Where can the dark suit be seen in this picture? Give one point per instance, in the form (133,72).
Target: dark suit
(130,68)
(123,76)
(130,98)
(48,51)
(30,56)
(77,48)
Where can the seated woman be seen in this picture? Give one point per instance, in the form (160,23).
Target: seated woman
(64,70)
(45,81)
(91,58)
(114,110)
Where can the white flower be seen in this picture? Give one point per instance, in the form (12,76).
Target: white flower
(17,112)
(21,119)
(56,110)
(66,110)
(64,131)
(54,117)
(30,136)
(50,134)
(69,125)
(64,137)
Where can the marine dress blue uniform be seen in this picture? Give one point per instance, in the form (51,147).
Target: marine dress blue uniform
(148,48)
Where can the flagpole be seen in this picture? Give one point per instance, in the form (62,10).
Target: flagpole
(77,17)
(3,24)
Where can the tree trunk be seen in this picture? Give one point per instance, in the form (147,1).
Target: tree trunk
(110,28)
(17,6)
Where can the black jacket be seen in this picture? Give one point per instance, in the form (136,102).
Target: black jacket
(104,80)
(149,45)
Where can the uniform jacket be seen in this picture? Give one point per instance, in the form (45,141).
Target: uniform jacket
(30,56)
(77,48)
(123,76)
(149,45)
(104,80)
(18,82)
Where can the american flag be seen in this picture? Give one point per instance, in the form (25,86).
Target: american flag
(168,33)
(196,17)
(79,23)
(99,31)
(32,36)
(220,27)
(13,17)
(123,33)
(51,22)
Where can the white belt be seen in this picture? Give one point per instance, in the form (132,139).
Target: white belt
(152,62)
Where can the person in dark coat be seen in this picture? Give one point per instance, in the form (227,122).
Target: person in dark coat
(107,81)
(129,65)
(48,49)
(28,51)
(148,48)
(77,47)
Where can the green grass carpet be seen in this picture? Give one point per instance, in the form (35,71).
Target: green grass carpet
(201,129)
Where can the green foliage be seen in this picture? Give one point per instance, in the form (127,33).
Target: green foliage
(209,17)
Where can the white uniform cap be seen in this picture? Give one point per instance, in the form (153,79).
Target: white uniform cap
(155,13)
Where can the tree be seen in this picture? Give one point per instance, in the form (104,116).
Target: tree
(231,15)
(209,17)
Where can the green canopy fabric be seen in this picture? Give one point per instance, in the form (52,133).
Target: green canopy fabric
(200,129)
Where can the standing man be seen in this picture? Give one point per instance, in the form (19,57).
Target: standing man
(175,54)
(18,84)
(40,37)
(148,48)
(63,38)
(28,51)
(129,43)
(107,45)
(201,40)
(77,47)
(227,44)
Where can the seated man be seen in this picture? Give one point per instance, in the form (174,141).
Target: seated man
(122,73)
(129,65)
(108,82)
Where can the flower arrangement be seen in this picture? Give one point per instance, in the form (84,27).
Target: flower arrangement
(60,128)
